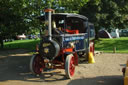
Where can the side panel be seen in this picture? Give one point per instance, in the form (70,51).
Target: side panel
(78,40)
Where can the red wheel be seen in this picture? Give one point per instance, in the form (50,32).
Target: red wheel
(70,66)
(36,64)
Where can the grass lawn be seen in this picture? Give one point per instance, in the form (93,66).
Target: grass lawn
(107,45)
(23,44)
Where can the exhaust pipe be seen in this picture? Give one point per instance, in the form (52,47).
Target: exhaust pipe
(48,17)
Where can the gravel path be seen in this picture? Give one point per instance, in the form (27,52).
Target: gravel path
(14,70)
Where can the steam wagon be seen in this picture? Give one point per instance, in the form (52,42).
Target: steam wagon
(67,36)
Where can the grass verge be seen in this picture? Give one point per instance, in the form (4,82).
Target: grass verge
(105,45)
(22,44)
(108,45)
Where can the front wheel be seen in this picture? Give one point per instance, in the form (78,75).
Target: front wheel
(36,64)
(70,66)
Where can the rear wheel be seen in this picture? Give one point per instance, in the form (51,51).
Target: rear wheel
(70,66)
(36,64)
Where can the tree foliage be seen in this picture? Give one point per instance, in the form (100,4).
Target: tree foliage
(19,16)
(72,5)
(107,13)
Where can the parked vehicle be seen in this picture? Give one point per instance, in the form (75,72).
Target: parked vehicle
(20,37)
(32,36)
(67,36)
(115,33)
(124,32)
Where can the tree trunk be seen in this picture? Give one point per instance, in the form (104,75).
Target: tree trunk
(97,35)
(1,42)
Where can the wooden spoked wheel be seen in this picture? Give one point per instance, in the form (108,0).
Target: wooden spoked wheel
(36,64)
(70,66)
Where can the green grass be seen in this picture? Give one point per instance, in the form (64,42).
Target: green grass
(107,45)
(22,44)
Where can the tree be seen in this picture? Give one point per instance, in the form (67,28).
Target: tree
(65,5)
(72,5)
(106,13)
(19,16)
(11,19)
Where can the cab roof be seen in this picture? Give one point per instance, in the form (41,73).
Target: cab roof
(67,15)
